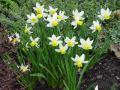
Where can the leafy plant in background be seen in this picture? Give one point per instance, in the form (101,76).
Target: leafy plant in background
(115,32)
(13,12)
(57,47)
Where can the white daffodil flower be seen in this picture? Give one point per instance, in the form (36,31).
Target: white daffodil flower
(62,49)
(15,38)
(77,14)
(34,42)
(54,40)
(105,14)
(86,44)
(78,18)
(96,88)
(23,68)
(53,20)
(52,10)
(61,16)
(40,10)
(96,26)
(71,42)
(32,19)
(27,29)
(79,60)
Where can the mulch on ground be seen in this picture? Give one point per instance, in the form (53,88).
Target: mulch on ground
(8,80)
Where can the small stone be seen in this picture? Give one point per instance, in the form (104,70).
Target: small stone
(118,78)
(99,77)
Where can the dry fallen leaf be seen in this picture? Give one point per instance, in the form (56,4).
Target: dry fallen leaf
(117,13)
(116,49)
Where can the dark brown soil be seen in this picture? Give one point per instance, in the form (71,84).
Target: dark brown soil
(40,86)
(8,79)
(105,74)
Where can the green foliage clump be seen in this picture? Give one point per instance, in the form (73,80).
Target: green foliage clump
(115,32)
(13,12)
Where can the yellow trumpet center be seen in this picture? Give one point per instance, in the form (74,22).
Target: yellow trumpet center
(107,16)
(80,23)
(70,43)
(33,43)
(39,15)
(52,12)
(54,23)
(54,43)
(62,51)
(98,27)
(33,19)
(38,10)
(14,40)
(78,63)
(87,46)
(59,17)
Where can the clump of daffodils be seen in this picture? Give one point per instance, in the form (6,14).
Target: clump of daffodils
(86,44)
(54,40)
(54,17)
(96,26)
(79,60)
(14,38)
(78,18)
(105,14)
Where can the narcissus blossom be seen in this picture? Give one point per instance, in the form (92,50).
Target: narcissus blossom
(61,16)
(78,18)
(54,40)
(32,19)
(62,49)
(40,10)
(52,10)
(53,20)
(14,38)
(79,60)
(96,26)
(71,42)
(86,44)
(27,29)
(24,68)
(105,14)
(34,42)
